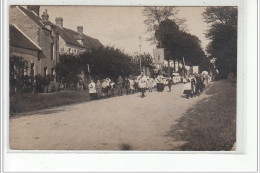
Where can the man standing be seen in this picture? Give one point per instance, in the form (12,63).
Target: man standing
(127,86)
(99,88)
(142,83)
(120,82)
(169,83)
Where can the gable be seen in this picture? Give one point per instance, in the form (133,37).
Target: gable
(19,39)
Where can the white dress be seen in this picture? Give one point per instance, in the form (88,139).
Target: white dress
(142,81)
(92,87)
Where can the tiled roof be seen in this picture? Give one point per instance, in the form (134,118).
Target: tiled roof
(88,42)
(67,36)
(19,39)
(32,15)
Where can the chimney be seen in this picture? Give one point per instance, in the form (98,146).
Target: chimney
(59,22)
(45,16)
(34,8)
(80,29)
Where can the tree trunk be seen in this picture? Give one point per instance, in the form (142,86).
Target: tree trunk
(178,65)
(168,67)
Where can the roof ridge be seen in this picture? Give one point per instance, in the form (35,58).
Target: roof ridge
(26,36)
(18,7)
(22,8)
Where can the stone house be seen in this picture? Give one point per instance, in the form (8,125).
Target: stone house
(42,43)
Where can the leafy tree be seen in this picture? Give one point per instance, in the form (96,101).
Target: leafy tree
(223,36)
(68,69)
(168,36)
(107,62)
(178,44)
(155,15)
(146,61)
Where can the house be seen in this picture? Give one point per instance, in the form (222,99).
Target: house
(74,42)
(33,40)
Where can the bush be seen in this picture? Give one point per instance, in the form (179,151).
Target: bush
(42,82)
(19,82)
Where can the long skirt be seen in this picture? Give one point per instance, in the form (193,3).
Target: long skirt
(160,87)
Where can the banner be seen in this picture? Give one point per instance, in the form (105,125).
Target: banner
(158,56)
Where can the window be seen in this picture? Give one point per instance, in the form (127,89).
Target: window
(51,50)
(52,71)
(45,72)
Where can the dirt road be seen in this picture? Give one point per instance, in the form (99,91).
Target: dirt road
(119,123)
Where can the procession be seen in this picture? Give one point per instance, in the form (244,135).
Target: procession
(193,85)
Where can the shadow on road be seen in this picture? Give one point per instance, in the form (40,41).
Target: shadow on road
(211,124)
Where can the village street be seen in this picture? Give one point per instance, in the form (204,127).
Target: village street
(118,123)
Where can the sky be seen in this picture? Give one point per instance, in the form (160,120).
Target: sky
(121,27)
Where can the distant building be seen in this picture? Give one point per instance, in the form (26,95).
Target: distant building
(71,42)
(31,39)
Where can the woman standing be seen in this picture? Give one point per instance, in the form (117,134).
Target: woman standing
(92,90)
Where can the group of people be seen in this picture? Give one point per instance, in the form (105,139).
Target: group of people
(131,85)
(195,85)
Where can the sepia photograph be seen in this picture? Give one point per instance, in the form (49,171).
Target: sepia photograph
(123,78)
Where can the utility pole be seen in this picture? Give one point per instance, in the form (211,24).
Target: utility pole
(140,49)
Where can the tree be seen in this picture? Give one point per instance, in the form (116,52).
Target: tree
(146,61)
(68,69)
(155,15)
(169,37)
(178,44)
(223,36)
(107,62)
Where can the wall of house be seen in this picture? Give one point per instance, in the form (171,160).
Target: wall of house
(31,56)
(39,36)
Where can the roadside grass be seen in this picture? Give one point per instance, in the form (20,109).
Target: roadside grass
(22,103)
(31,102)
(211,124)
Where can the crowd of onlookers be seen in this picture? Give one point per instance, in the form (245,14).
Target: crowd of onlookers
(194,85)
